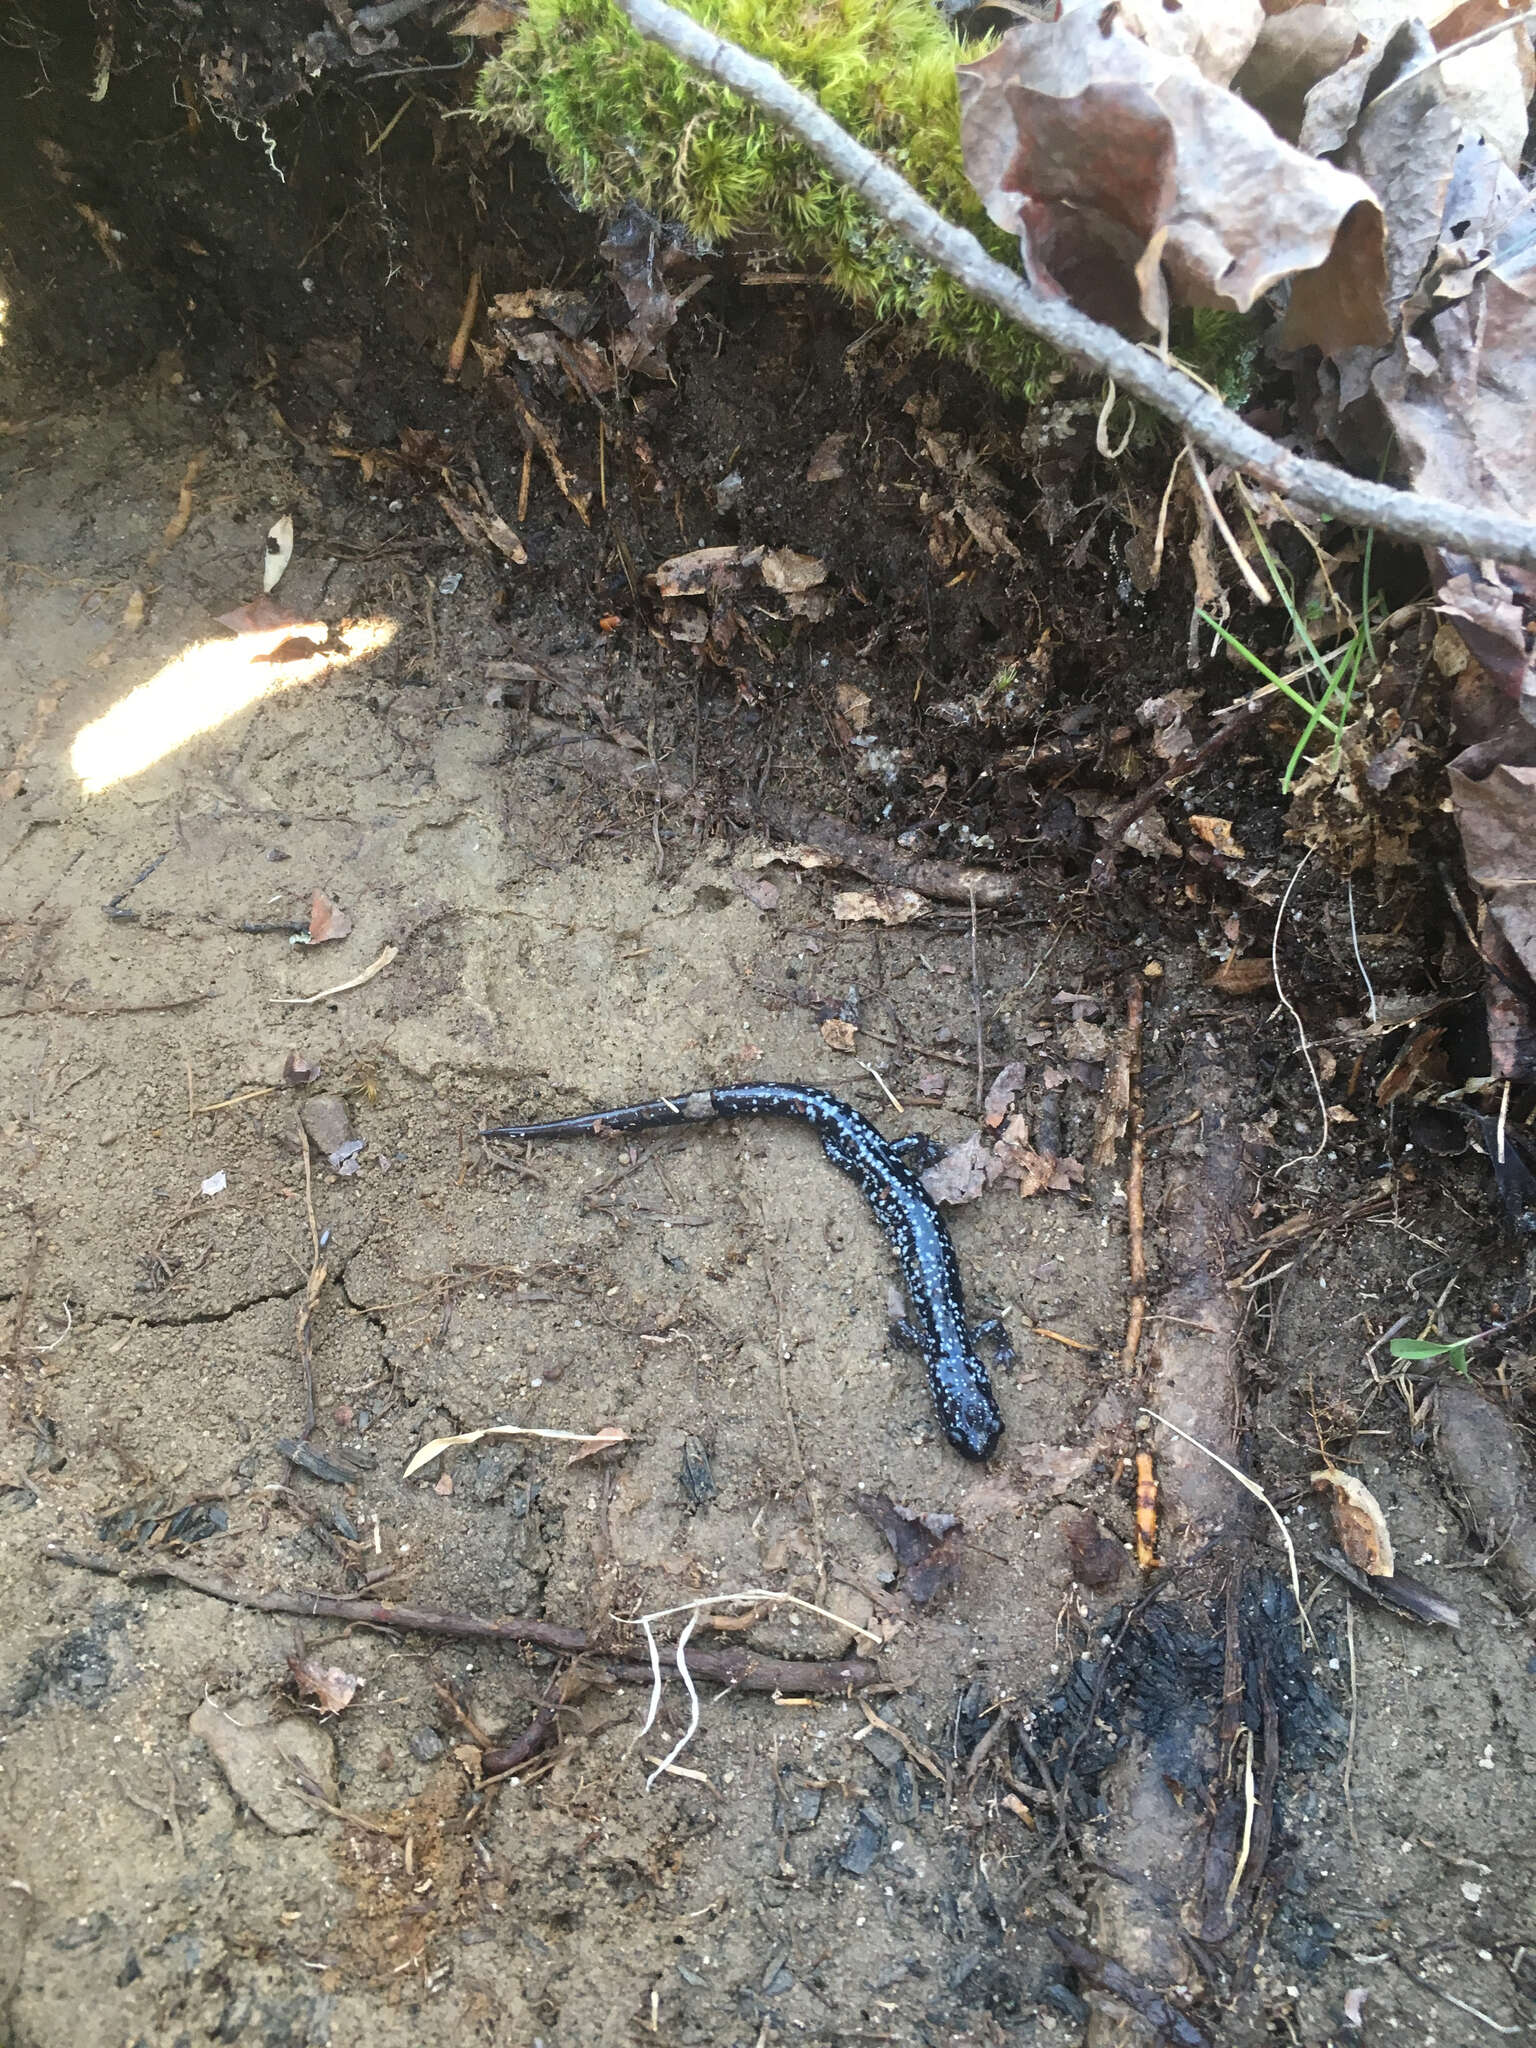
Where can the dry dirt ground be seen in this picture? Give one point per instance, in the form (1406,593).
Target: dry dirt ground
(808,1874)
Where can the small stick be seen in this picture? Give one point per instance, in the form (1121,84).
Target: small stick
(389,953)
(311,1294)
(460,346)
(741,1670)
(981,1086)
(1135,1189)
(230,1101)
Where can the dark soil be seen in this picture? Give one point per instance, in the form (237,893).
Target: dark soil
(228,276)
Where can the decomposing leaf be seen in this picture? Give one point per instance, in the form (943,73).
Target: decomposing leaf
(826,463)
(1217,834)
(657,276)
(279,552)
(1014,1158)
(1168,717)
(796,856)
(1131,179)
(702,571)
(1094,1558)
(489,18)
(1246,975)
(790,573)
(327,920)
(1358,1522)
(1497,820)
(327,1685)
(757,889)
(854,705)
(927,1546)
(267,1763)
(961,1175)
(839,1034)
(1002,1092)
(606,1438)
(1421,1064)
(878,906)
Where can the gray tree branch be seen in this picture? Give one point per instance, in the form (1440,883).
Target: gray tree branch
(1481,535)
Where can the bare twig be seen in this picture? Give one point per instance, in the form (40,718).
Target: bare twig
(981,1079)
(741,1670)
(1135,1184)
(1203,418)
(1250,1486)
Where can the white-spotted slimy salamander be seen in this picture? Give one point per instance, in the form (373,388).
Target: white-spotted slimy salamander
(904,1209)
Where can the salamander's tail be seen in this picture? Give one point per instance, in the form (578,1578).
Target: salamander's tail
(638,1116)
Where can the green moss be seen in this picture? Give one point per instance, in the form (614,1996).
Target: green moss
(1220,346)
(620,119)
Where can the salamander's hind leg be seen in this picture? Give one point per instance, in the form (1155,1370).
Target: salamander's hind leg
(903,1333)
(1003,1354)
(917,1151)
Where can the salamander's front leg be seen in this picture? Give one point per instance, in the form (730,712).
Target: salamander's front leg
(1003,1354)
(917,1151)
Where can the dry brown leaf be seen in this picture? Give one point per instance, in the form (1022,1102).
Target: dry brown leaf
(854,705)
(961,1175)
(1296,48)
(1002,1092)
(328,1685)
(878,906)
(839,1034)
(1215,35)
(1250,976)
(327,920)
(1129,177)
(1497,820)
(789,573)
(609,1438)
(1358,1522)
(1217,834)
(489,18)
(702,571)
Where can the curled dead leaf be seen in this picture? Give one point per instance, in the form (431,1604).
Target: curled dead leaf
(327,1685)
(838,1033)
(1358,1522)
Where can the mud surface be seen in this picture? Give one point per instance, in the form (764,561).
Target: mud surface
(816,1869)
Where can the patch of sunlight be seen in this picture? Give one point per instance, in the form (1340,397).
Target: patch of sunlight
(207,684)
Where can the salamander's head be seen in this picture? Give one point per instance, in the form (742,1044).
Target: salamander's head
(971,1418)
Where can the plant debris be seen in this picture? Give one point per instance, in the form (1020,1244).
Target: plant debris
(927,1546)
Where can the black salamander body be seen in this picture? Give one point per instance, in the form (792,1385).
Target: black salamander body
(903,1208)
